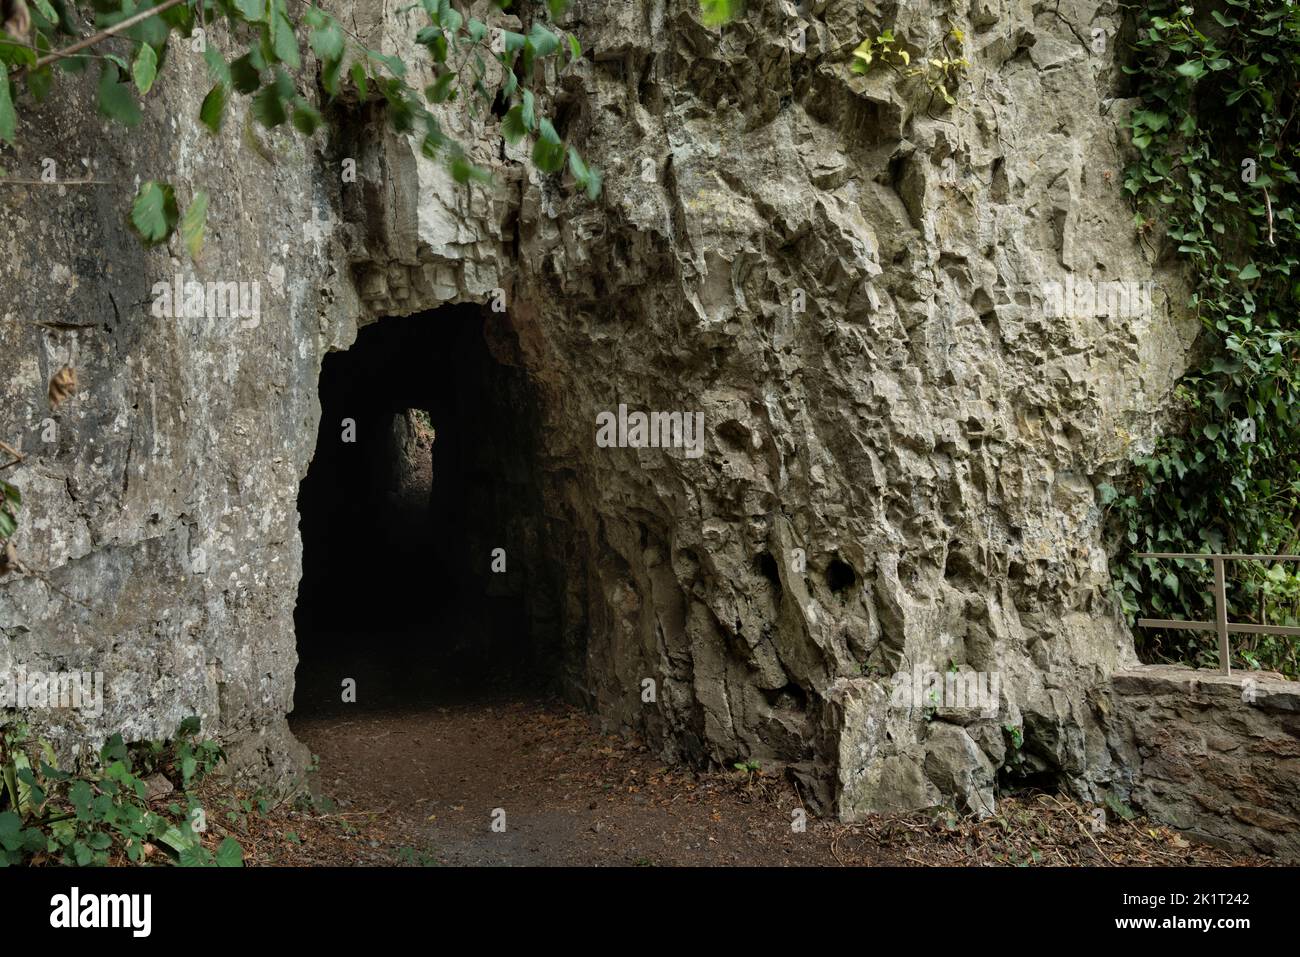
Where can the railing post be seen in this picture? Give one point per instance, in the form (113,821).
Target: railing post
(1221,617)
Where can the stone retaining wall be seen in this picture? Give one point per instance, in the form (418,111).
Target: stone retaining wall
(1216,755)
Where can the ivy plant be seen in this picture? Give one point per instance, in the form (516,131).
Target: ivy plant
(49,815)
(940,68)
(1217,153)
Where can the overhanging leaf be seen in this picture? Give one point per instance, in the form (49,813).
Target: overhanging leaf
(8,118)
(306,118)
(192,225)
(512,127)
(145,68)
(115,99)
(548,151)
(213,111)
(154,213)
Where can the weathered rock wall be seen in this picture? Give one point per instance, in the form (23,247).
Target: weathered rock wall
(1216,755)
(160,498)
(899,475)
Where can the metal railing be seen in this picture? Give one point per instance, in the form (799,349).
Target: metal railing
(1221,623)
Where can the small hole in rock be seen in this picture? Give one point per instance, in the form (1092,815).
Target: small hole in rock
(840,575)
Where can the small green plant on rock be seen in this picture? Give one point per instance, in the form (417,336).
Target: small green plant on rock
(941,69)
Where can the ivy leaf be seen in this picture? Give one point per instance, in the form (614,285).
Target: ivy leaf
(548,151)
(213,111)
(230,854)
(440,91)
(115,99)
(462,171)
(196,217)
(394,64)
(306,118)
(542,40)
(193,857)
(435,41)
(329,78)
(586,178)
(513,127)
(358,74)
(218,69)
(145,68)
(254,11)
(529,110)
(154,213)
(283,42)
(1251,271)
(39,83)
(268,107)
(326,40)
(862,57)
(514,42)
(47,10)
(1192,69)
(80,795)
(434,139)
(8,118)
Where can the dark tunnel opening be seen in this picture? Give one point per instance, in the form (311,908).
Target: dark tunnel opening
(425,574)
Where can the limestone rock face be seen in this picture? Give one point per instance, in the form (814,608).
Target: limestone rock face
(846,277)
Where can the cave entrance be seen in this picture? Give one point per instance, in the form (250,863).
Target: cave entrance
(425,577)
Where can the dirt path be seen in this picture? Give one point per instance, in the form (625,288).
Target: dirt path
(569,795)
(422,787)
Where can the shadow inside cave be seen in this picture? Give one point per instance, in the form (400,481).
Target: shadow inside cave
(424,468)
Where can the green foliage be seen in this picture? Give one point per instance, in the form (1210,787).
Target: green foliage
(193,223)
(1217,162)
(940,69)
(412,857)
(49,815)
(1118,807)
(270,71)
(115,99)
(715,13)
(154,213)
(145,68)
(8,117)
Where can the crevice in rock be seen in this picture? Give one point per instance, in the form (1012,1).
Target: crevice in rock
(840,576)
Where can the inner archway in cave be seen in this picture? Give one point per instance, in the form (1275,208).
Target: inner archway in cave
(426,578)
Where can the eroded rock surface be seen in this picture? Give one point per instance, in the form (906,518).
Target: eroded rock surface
(846,277)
